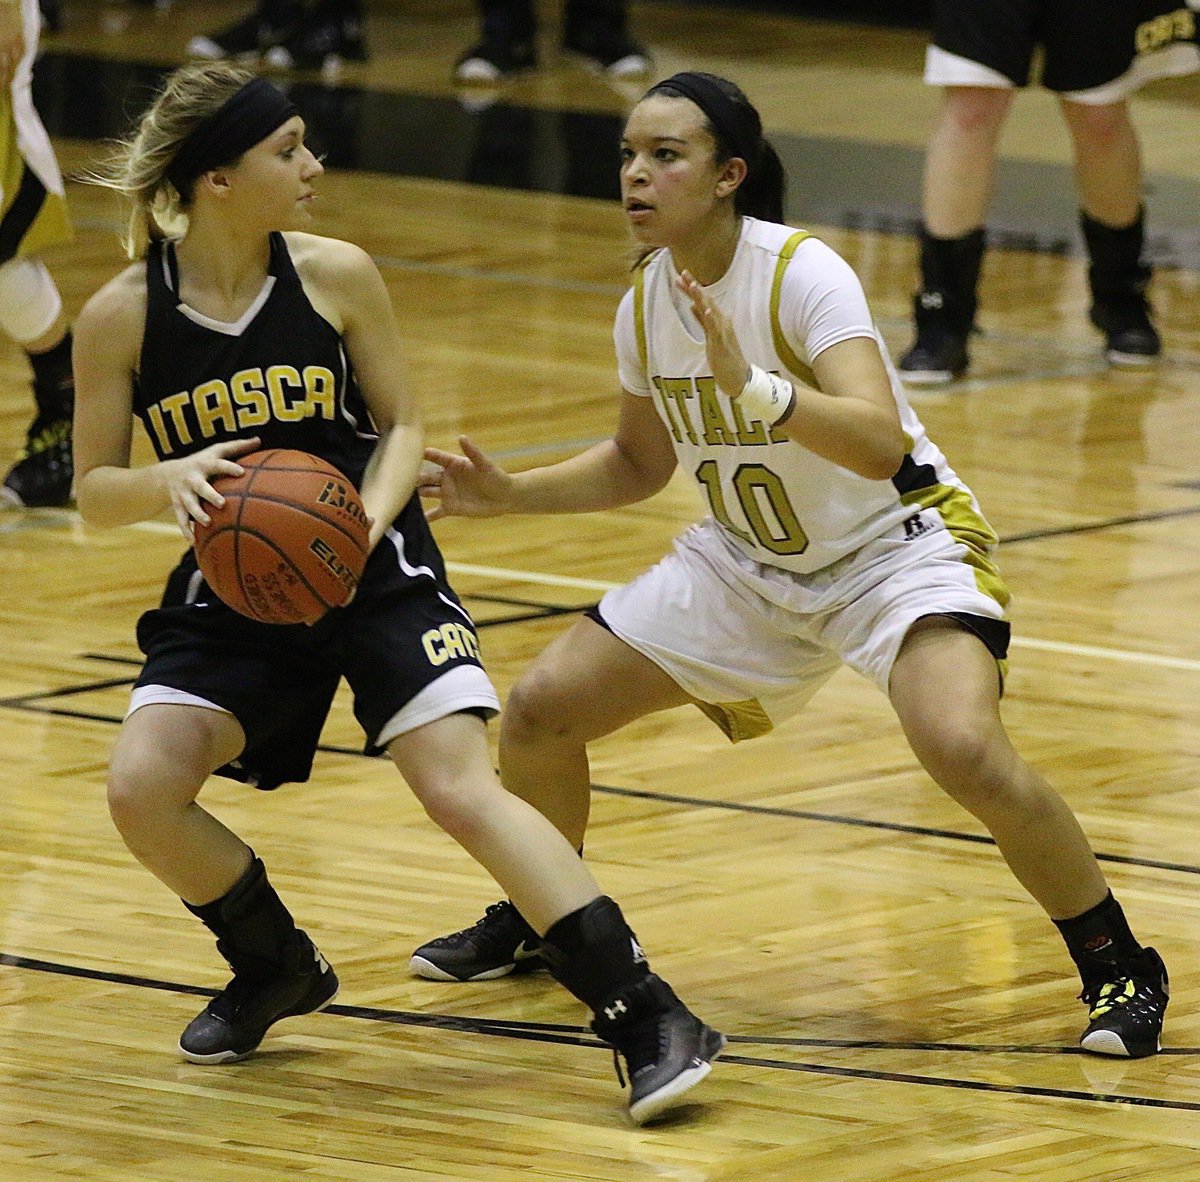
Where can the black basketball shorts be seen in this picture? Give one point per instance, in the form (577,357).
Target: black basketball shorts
(405,645)
(1087,45)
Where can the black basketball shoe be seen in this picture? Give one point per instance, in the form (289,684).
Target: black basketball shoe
(246,40)
(498,944)
(1126,1010)
(494,59)
(325,39)
(667,1049)
(1130,338)
(939,353)
(232,1025)
(41,478)
(606,47)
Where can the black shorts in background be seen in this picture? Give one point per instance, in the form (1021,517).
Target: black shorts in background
(1085,43)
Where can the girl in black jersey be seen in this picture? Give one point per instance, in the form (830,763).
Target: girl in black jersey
(234,331)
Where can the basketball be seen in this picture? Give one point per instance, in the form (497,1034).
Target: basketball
(290,542)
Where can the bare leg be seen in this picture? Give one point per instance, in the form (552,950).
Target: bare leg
(587,683)
(960,161)
(162,758)
(1108,166)
(959,738)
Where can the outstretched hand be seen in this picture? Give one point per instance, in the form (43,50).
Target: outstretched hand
(467,485)
(725,357)
(188,480)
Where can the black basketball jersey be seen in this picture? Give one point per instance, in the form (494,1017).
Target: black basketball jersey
(281,373)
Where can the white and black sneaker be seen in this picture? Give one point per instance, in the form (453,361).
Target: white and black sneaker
(499,944)
(667,1049)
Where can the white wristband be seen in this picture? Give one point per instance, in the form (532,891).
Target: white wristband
(767,397)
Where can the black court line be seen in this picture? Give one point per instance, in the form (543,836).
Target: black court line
(580,1036)
(1058,531)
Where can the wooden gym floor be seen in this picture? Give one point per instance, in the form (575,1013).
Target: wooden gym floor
(897,1007)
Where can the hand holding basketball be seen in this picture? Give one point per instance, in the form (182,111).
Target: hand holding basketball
(290,541)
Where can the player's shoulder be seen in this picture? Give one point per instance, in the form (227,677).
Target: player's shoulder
(119,307)
(331,258)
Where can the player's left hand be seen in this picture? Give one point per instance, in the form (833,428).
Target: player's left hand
(725,356)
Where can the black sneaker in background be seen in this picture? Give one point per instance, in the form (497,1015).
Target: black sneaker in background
(939,353)
(245,40)
(667,1049)
(608,49)
(1131,340)
(494,59)
(42,477)
(324,39)
(232,1025)
(1126,1011)
(498,944)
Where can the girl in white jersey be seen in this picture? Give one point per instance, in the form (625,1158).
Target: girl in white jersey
(837,534)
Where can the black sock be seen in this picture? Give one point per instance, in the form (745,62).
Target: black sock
(255,931)
(593,952)
(54,380)
(1099,939)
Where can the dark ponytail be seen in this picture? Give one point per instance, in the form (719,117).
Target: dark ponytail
(736,128)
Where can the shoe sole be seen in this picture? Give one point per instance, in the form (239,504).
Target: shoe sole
(654,1105)
(236,1056)
(1108,1042)
(420,967)
(1131,360)
(929,377)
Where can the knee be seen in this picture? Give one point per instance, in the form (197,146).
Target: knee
(1096,129)
(457,808)
(535,712)
(973,766)
(133,801)
(976,111)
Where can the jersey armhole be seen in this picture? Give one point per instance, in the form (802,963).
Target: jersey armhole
(785,351)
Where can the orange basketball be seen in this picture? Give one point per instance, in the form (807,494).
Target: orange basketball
(290,542)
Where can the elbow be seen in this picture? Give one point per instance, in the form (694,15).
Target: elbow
(883,464)
(87,503)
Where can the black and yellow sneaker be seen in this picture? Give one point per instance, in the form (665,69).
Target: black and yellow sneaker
(232,1025)
(667,1049)
(498,944)
(42,477)
(1126,1010)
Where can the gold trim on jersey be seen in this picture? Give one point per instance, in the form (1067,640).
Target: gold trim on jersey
(739,720)
(51,225)
(786,353)
(970,528)
(639,310)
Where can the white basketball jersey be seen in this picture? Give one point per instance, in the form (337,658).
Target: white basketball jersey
(789,297)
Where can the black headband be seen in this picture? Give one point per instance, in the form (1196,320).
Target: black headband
(736,123)
(246,118)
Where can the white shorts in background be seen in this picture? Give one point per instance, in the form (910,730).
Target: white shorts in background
(752,643)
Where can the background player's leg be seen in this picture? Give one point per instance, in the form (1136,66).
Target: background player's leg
(1108,173)
(960,171)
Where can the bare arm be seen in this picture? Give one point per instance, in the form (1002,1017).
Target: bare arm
(851,419)
(635,464)
(351,281)
(108,337)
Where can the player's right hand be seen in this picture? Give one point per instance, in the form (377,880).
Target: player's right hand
(469,485)
(188,480)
